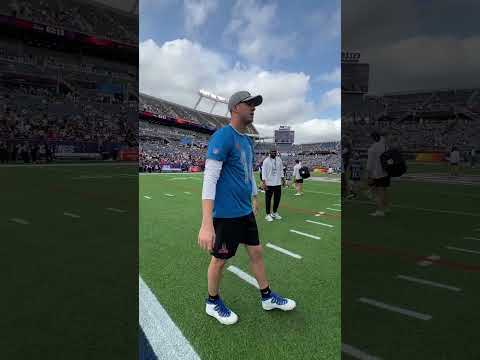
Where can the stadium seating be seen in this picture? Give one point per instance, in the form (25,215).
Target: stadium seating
(78,16)
(417,121)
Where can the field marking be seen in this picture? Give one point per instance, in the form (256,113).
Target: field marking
(429,260)
(319,223)
(116,210)
(357,353)
(20,221)
(321,192)
(170,195)
(471,238)
(396,309)
(337,205)
(147,197)
(282,250)
(187,192)
(427,282)
(75,216)
(463,250)
(452,212)
(165,338)
(424,263)
(244,276)
(333,209)
(305,234)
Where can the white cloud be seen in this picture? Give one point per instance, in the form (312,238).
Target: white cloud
(333,76)
(330,98)
(197,11)
(175,71)
(424,62)
(326,23)
(253,27)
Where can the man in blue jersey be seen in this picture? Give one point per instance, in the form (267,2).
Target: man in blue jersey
(229,204)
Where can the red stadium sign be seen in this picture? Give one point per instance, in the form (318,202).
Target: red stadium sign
(129,154)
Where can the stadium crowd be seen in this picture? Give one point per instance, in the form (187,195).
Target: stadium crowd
(79,16)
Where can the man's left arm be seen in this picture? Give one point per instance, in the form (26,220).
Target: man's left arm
(283,174)
(254,195)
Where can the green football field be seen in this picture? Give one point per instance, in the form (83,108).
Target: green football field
(70,250)
(174,267)
(410,280)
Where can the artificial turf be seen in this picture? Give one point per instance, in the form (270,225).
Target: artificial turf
(426,217)
(174,267)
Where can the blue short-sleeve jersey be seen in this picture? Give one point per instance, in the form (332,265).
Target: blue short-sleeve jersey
(233,197)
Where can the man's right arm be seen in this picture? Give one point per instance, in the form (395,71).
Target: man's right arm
(264,171)
(206,236)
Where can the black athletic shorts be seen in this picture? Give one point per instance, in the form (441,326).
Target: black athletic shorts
(229,232)
(299,181)
(382,182)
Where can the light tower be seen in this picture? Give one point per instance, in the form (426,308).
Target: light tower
(215,98)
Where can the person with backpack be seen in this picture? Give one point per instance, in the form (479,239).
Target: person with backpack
(297,177)
(355,176)
(378,177)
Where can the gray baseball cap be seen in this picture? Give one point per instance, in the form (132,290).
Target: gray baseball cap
(245,97)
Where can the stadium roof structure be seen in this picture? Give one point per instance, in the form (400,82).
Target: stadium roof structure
(216,119)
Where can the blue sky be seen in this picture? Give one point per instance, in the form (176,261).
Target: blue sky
(287,52)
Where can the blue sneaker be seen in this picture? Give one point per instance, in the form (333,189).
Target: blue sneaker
(275,301)
(221,312)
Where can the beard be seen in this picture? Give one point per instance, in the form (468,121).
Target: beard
(247,119)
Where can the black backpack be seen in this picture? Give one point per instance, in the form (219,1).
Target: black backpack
(304,172)
(393,162)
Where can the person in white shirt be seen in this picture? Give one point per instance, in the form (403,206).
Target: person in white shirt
(297,178)
(272,181)
(454,160)
(378,178)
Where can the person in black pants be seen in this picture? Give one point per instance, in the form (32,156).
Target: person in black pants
(272,180)
(276,193)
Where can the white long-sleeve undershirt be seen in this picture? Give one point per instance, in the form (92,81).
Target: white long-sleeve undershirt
(211,176)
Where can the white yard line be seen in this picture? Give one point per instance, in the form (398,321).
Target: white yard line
(332,209)
(284,251)
(116,210)
(243,275)
(396,309)
(20,221)
(357,353)
(319,223)
(147,197)
(440,211)
(463,250)
(427,282)
(471,238)
(169,195)
(321,192)
(75,216)
(187,192)
(305,234)
(429,260)
(165,338)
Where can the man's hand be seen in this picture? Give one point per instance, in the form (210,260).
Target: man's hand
(255,205)
(206,236)
(263,185)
